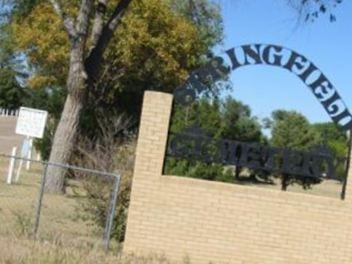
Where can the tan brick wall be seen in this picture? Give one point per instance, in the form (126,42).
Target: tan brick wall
(224,223)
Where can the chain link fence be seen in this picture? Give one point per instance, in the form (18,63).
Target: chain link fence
(26,209)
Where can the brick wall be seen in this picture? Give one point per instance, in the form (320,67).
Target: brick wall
(223,223)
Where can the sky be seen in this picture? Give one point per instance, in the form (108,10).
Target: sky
(327,45)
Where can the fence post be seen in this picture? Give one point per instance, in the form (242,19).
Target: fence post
(12,165)
(111,213)
(40,200)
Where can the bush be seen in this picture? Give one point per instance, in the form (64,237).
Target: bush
(108,153)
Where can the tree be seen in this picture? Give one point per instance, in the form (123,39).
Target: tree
(310,10)
(167,44)
(12,95)
(218,118)
(84,68)
(329,134)
(239,124)
(87,45)
(290,129)
(206,114)
(336,140)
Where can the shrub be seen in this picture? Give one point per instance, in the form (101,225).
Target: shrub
(109,152)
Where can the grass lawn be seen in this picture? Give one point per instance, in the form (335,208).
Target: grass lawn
(60,213)
(62,231)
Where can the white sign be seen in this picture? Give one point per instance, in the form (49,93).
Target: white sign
(31,122)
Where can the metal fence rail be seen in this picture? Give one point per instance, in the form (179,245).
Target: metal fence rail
(39,203)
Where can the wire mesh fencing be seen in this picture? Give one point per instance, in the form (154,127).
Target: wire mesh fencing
(84,215)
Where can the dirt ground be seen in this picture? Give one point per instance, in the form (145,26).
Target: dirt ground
(8,138)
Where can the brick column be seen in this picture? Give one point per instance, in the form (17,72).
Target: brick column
(153,133)
(150,154)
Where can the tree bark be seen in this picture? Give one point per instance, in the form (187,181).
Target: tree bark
(63,144)
(67,129)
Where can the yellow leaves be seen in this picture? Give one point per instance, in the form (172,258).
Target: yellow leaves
(38,81)
(46,44)
(155,38)
(152,43)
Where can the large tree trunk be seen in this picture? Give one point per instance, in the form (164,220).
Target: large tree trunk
(67,129)
(63,144)
(81,77)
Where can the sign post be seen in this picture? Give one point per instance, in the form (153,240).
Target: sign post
(29,153)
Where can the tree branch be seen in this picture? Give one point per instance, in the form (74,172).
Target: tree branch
(117,14)
(98,23)
(83,18)
(66,19)
(93,62)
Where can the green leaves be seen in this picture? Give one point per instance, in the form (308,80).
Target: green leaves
(290,129)
(226,118)
(12,94)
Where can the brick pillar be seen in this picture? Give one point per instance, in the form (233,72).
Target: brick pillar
(151,147)
(153,133)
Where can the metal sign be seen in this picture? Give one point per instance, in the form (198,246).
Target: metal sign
(272,55)
(31,122)
(318,163)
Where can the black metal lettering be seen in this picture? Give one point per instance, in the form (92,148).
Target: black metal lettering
(275,51)
(230,152)
(254,156)
(270,159)
(253,54)
(232,55)
(305,75)
(325,88)
(295,60)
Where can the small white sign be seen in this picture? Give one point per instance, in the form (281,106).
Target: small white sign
(31,122)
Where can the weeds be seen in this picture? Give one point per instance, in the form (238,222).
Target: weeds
(26,251)
(23,223)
